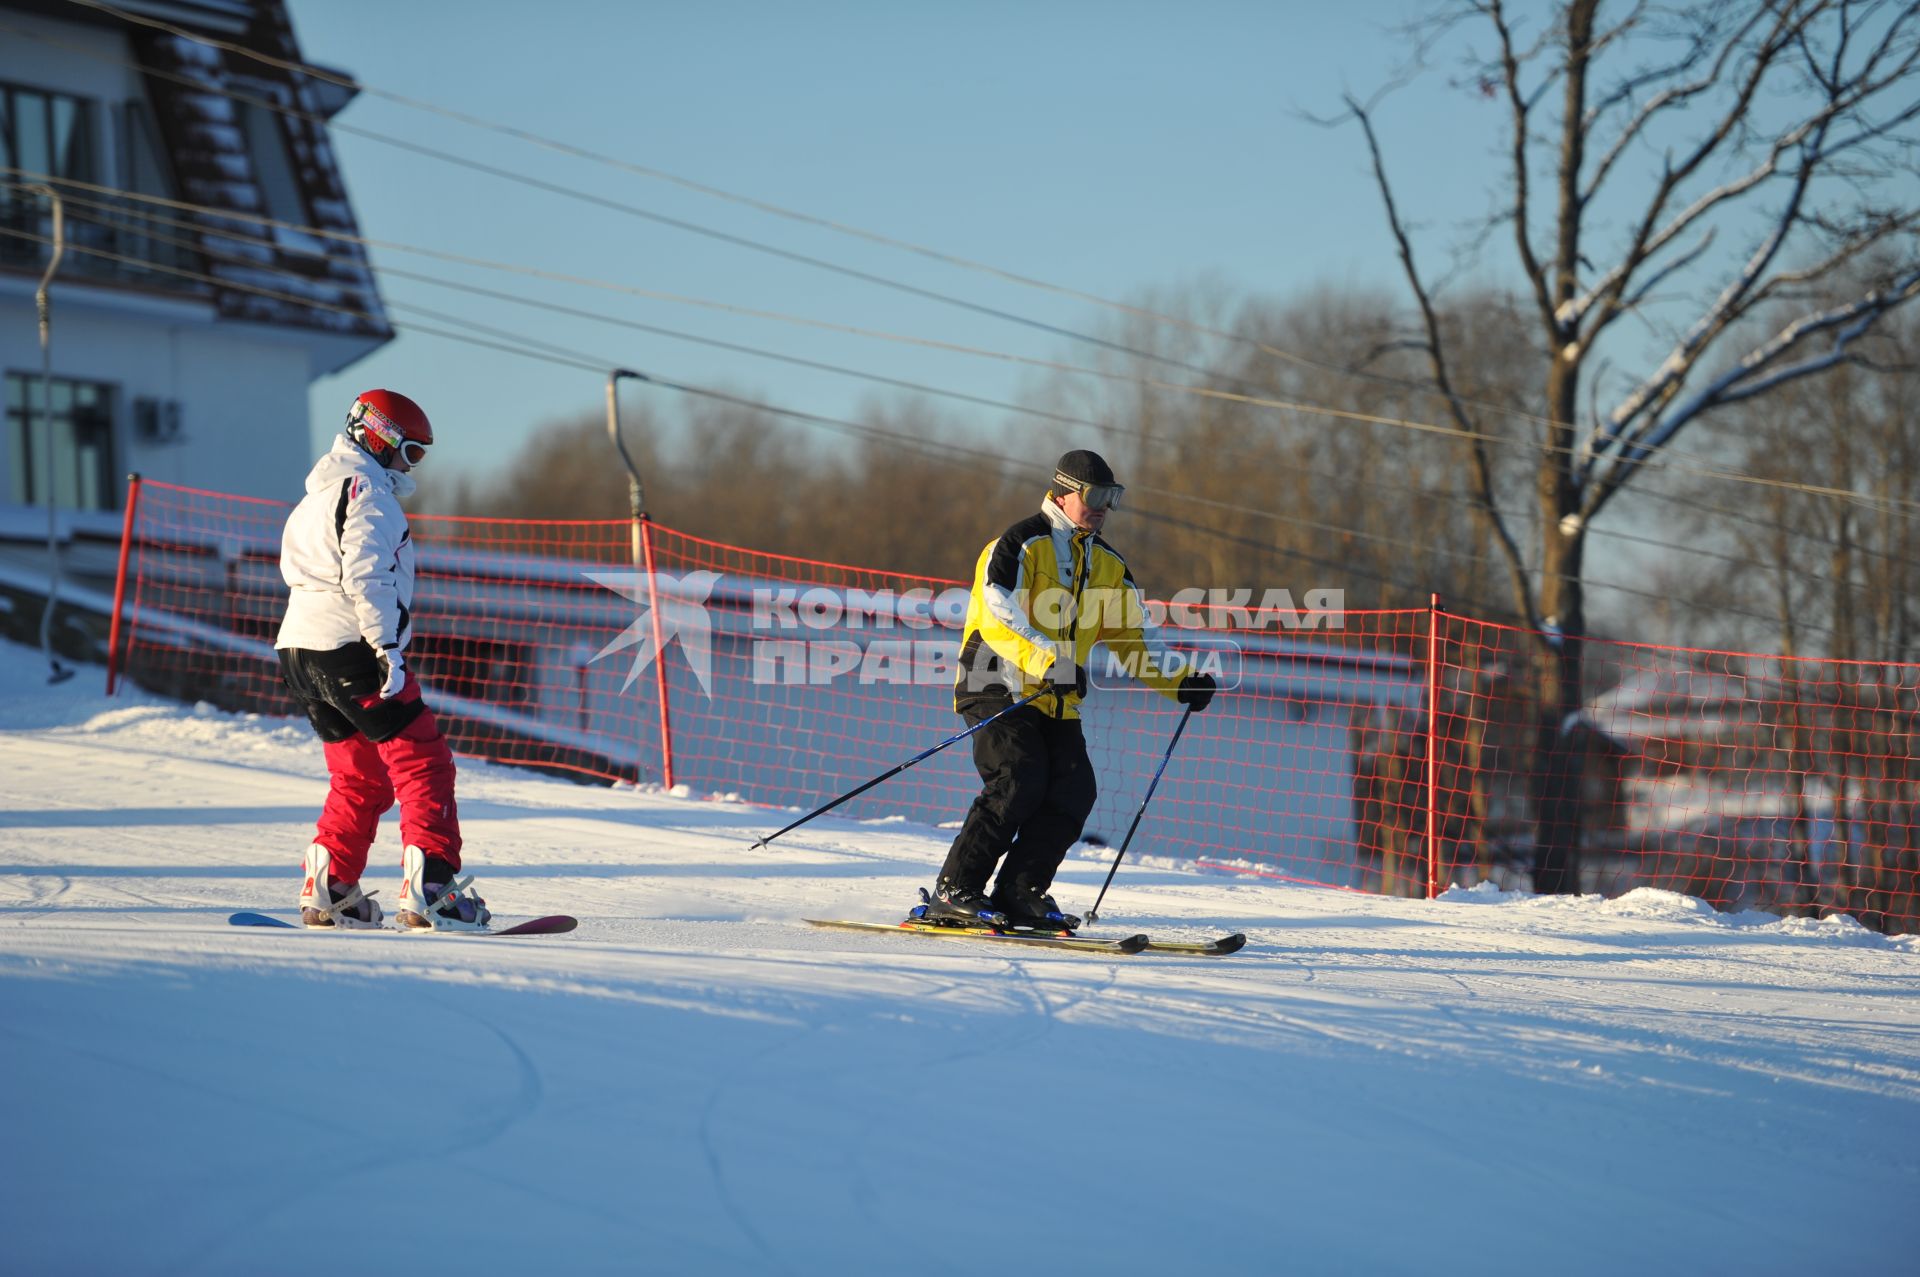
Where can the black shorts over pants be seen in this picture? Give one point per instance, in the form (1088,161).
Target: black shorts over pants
(331,687)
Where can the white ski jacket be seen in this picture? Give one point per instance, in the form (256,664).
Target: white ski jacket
(347,556)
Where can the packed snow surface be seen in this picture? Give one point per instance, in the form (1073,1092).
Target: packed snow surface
(697,1082)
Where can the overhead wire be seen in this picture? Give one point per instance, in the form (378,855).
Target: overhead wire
(1169,386)
(999,466)
(1666,460)
(1443,494)
(518,344)
(258,290)
(560,146)
(1190,499)
(329,76)
(1468,500)
(1319,526)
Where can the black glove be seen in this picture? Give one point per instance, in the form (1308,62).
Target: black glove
(1196,691)
(1065,672)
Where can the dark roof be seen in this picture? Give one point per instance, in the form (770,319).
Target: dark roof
(260,274)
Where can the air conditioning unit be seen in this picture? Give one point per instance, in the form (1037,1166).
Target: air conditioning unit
(156,420)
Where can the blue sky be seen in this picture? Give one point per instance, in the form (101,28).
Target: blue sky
(1113,148)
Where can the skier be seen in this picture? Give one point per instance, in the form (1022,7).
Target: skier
(347,556)
(1044,593)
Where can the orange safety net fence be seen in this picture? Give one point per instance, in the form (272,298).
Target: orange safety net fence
(1747,780)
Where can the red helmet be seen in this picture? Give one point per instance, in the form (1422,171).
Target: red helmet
(385,422)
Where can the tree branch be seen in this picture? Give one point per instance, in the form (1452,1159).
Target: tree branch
(1764,369)
(1845,96)
(1650,237)
(1749,287)
(1482,465)
(1667,99)
(1518,105)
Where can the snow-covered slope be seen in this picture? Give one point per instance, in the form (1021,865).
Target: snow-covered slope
(696,1082)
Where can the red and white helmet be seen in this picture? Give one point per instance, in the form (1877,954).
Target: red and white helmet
(388,424)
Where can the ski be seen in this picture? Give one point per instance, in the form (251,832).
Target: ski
(1034,939)
(551,925)
(1192,948)
(1068,925)
(1201,948)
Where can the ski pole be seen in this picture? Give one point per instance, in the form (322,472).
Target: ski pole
(923,754)
(1093,914)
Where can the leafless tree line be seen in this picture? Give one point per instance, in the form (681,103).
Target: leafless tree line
(1237,474)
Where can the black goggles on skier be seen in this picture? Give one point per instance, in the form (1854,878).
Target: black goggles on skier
(1095,496)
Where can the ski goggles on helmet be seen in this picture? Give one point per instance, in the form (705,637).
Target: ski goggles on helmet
(1096,496)
(372,423)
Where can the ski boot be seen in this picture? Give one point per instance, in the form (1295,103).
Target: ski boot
(1033,911)
(326,903)
(953,905)
(433,899)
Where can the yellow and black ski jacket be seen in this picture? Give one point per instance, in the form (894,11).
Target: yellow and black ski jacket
(1046,590)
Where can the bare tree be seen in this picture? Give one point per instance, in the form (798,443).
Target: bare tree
(725,470)
(1839,580)
(1836,577)
(1686,167)
(1240,477)
(1396,495)
(560,471)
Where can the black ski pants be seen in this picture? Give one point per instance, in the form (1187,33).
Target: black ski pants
(1039,790)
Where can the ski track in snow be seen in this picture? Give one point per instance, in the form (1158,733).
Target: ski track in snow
(696,1081)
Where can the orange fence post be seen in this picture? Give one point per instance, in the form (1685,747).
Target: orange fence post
(1433,746)
(643,560)
(659,655)
(120,581)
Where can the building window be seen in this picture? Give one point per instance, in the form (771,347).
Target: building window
(47,133)
(145,156)
(137,229)
(272,168)
(42,134)
(82,443)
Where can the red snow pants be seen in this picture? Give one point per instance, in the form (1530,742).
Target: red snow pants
(369,764)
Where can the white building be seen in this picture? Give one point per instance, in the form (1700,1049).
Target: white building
(189,314)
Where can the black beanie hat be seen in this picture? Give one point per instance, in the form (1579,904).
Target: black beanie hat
(1077,469)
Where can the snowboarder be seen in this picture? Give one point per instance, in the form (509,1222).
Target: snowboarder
(347,557)
(1044,593)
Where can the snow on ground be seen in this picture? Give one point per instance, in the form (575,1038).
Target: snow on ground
(696,1082)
